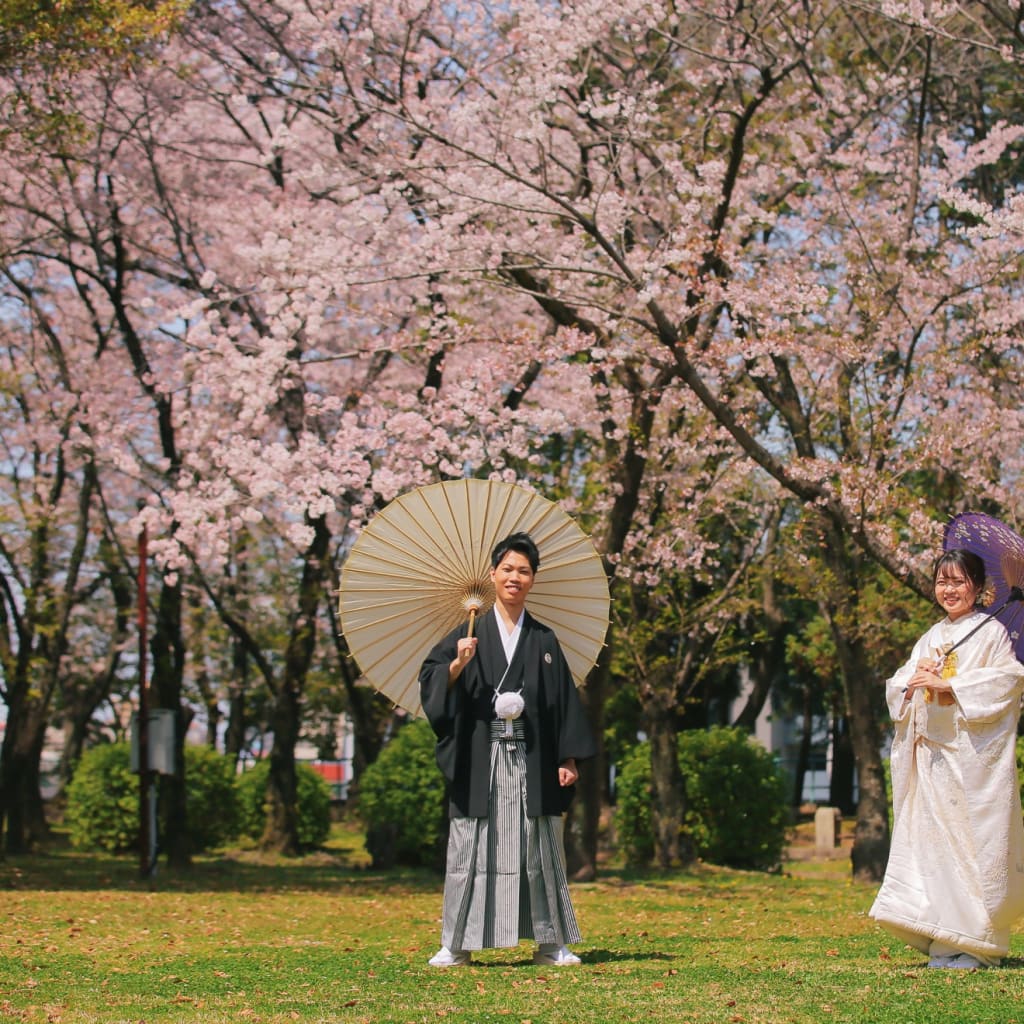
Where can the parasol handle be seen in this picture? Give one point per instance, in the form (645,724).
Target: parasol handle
(472,604)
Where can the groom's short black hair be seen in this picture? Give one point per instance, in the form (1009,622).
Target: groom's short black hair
(520,542)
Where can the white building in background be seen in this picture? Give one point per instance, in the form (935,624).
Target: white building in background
(781,734)
(338,773)
(49,762)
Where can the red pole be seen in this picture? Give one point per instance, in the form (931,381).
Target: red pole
(142,723)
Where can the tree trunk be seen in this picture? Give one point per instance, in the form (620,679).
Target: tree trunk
(366,712)
(79,699)
(668,793)
(212,723)
(871,836)
(363,705)
(79,702)
(761,684)
(767,661)
(234,732)
(23,818)
(864,698)
(168,649)
(843,767)
(77,711)
(281,831)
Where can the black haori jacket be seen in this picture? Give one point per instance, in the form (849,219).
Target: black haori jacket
(554,722)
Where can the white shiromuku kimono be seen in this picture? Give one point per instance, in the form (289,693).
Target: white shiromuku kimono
(955,877)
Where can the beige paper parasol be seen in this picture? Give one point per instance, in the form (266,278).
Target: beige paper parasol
(423,562)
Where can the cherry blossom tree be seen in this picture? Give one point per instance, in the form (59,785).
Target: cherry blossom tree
(331,251)
(48,570)
(727,198)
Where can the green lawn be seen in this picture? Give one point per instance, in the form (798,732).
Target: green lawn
(327,939)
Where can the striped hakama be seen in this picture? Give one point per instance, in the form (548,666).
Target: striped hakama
(505,877)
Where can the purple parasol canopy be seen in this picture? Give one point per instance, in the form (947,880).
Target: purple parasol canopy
(1002,551)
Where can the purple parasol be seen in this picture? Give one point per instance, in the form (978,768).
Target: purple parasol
(1002,551)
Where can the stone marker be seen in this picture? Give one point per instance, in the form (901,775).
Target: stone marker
(826,828)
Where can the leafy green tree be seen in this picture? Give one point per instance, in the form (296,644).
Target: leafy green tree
(69,36)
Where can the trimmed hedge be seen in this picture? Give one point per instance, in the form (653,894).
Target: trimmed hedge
(737,809)
(103,799)
(211,798)
(634,828)
(402,802)
(737,806)
(313,797)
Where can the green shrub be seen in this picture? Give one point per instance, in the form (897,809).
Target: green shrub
(737,810)
(103,799)
(313,799)
(402,801)
(211,797)
(634,830)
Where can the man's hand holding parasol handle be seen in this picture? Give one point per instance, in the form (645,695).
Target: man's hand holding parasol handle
(467,644)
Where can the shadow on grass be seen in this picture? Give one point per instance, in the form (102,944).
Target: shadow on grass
(1009,963)
(57,870)
(62,868)
(590,958)
(608,956)
(342,864)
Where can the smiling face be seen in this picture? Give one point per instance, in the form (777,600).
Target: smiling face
(512,578)
(955,592)
(959,580)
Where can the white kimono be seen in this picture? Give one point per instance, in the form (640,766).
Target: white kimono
(955,875)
